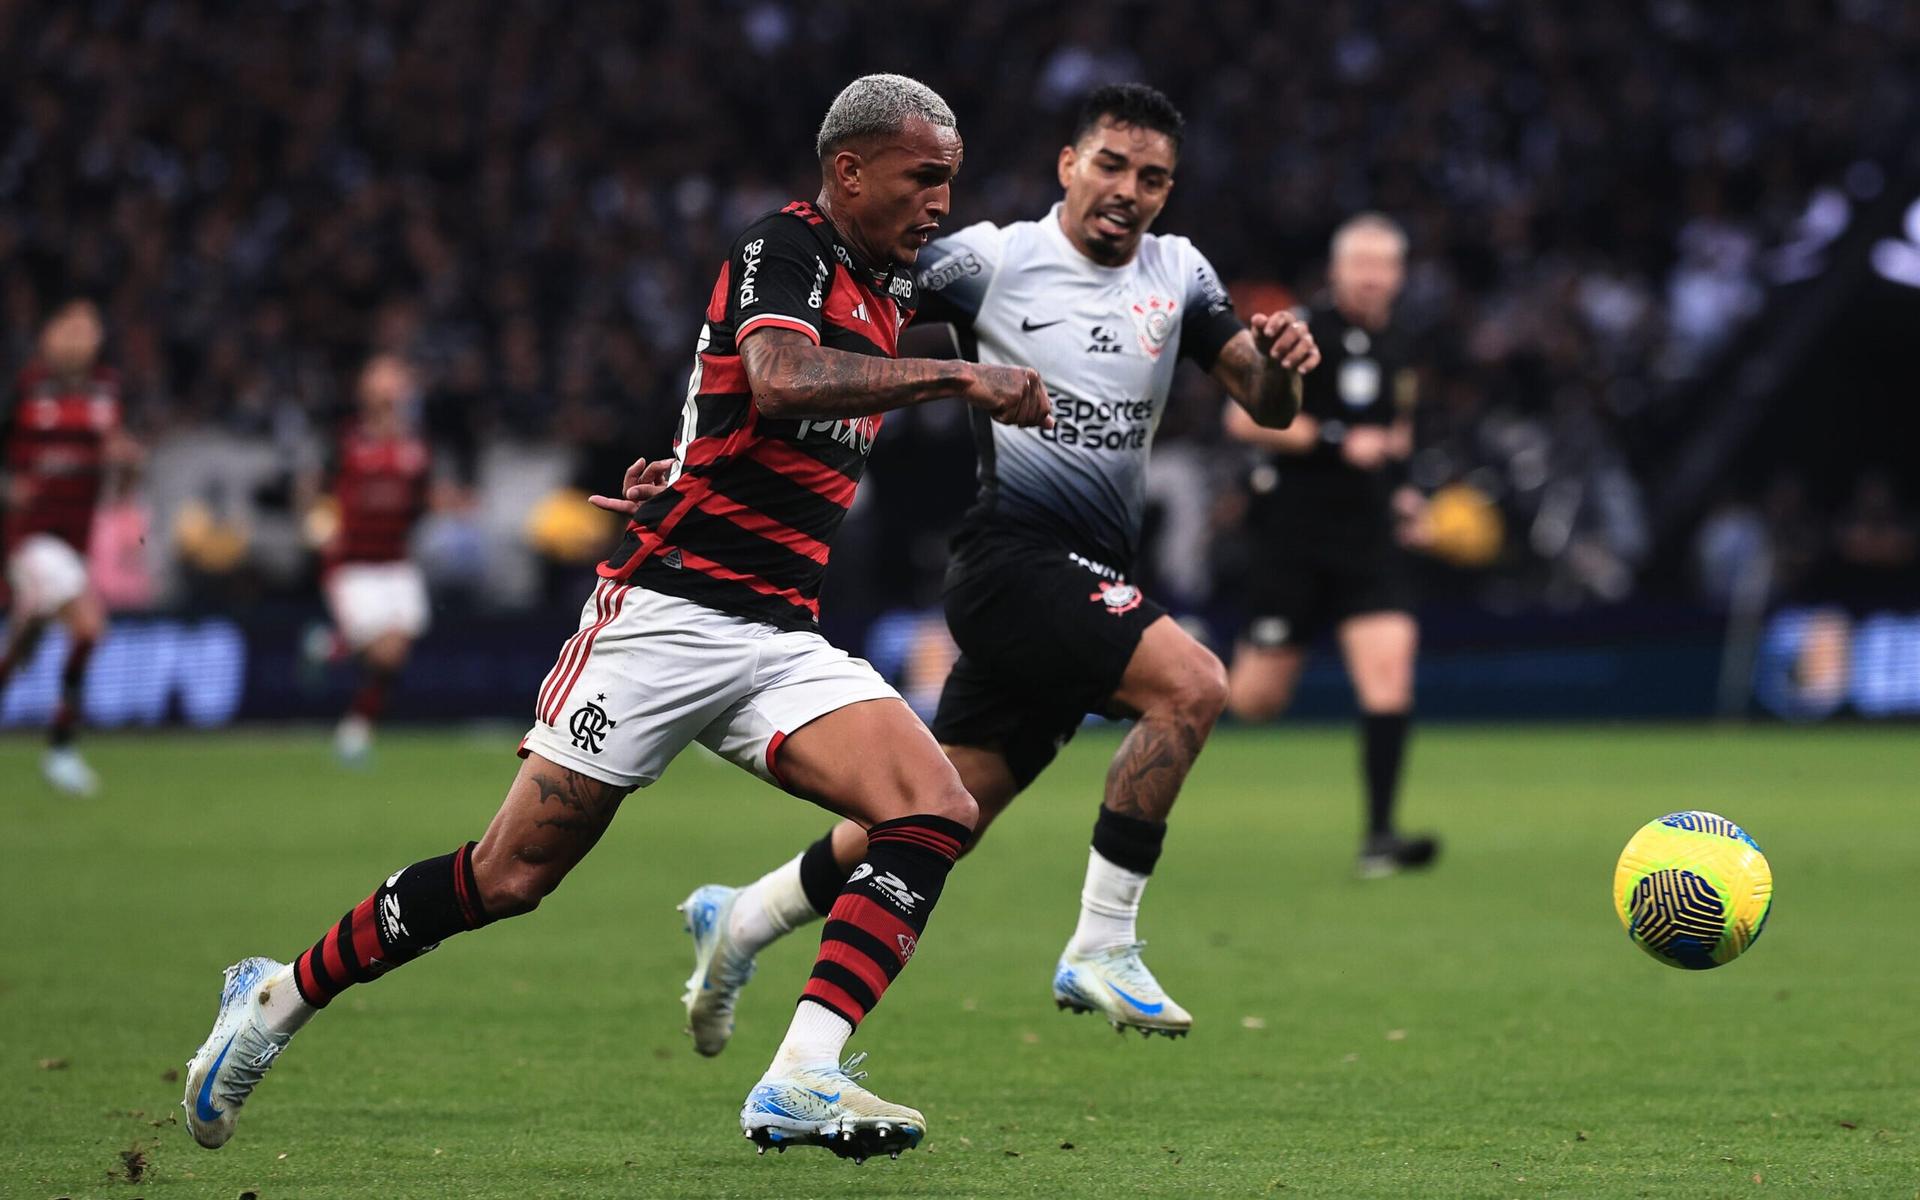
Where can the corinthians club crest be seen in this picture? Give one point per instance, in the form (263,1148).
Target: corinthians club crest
(589,724)
(1153,321)
(1120,598)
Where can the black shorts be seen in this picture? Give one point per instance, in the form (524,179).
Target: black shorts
(1302,587)
(1044,638)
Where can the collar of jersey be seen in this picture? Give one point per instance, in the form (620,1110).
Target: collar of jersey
(880,277)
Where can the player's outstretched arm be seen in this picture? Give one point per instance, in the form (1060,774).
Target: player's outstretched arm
(1261,367)
(791,377)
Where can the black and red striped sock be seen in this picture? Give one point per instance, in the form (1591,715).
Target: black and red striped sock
(875,925)
(66,714)
(416,909)
(371,698)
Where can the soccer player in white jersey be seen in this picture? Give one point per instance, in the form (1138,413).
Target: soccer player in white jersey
(1037,595)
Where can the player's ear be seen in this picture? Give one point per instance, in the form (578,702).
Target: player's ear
(844,168)
(1069,155)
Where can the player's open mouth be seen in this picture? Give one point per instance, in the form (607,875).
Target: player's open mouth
(1111,223)
(920,235)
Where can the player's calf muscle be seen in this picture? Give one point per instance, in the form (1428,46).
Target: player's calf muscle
(551,818)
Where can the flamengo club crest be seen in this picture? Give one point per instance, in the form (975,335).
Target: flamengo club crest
(589,724)
(1119,598)
(1153,321)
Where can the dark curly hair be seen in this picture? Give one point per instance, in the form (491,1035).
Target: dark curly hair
(1130,104)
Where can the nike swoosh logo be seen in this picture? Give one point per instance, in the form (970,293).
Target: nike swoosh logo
(1027,325)
(1150,1009)
(203,1103)
(833,1099)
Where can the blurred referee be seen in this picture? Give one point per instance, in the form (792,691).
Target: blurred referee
(1322,514)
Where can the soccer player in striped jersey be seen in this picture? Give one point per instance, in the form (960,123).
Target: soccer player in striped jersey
(703,628)
(1037,594)
(381,482)
(60,434)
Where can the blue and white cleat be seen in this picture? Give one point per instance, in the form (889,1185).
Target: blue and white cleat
(1116,984)
(225,1070)
(826,1106)
(720,970)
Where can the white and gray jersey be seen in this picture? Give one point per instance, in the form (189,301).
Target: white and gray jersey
(1105,340)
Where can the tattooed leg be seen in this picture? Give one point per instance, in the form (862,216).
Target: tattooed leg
(551,817)
(1153,762)
(1178,688)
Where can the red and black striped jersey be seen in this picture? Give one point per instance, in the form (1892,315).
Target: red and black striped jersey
(748,520)
(380,484)
(54,434)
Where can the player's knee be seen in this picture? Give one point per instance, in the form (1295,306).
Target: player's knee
(1259,688)
(514,886)
(1199,690)
(946,798)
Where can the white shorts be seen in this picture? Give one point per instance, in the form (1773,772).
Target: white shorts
(371,600)
(647,673)
(46,575)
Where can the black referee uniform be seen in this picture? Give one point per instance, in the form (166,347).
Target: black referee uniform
(1323,528)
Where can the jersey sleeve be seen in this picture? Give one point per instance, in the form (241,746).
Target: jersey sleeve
(954,274)
(1210,322)
(777,278)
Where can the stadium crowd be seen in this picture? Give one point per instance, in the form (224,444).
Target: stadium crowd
(527,200)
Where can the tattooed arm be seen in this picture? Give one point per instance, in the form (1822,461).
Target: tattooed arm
(792,377)
(1261,368)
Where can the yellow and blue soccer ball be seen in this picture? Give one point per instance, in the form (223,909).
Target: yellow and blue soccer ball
(1693,890)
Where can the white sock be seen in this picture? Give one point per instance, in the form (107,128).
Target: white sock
(817,1035)
(282,1005)
(1109,905)
(770,907)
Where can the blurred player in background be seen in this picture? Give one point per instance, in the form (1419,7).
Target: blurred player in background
(704,627)
(1037,595)
(381,484)
(1324,515)
(60,435)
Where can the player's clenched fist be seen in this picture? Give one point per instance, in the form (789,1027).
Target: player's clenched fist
(1011,395)
(1283,337)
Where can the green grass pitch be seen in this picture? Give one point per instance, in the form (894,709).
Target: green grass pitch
(1485,1030)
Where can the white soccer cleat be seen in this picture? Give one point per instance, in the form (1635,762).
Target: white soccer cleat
(720,970)
(1116,984)
(224,1071)
(353,740)
(68,772)
(825,1105)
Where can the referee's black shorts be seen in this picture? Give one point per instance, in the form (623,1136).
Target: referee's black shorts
(1301,587)
(1044,638)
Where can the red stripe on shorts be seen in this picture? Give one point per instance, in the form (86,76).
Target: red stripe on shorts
(567,650)
(615,602)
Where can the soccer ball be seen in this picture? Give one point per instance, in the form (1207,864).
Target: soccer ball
(1693,890)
